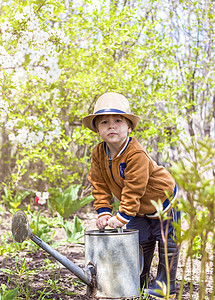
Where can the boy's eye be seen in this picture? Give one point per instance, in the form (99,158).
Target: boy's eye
(118,120)
(103,122)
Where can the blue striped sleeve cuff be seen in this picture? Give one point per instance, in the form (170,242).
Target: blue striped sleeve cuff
(123,218)
(103,211)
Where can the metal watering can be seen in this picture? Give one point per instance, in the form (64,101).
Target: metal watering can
(113,259)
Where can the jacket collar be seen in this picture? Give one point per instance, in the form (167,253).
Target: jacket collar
(122,148)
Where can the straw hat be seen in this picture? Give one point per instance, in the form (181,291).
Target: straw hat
(111,104)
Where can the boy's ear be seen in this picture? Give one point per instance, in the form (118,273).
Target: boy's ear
(129,130)
(97,131)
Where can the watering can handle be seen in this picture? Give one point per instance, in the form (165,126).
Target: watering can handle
(119,230)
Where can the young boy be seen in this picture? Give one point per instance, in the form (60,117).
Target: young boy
(120,166)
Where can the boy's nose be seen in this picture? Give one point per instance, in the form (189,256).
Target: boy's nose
(111,124)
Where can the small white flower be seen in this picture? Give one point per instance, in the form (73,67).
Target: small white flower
(32,138)
(57,131)
(49,138)
(22,136)
(12,138)
(45,195)
(32,118)
(40,136)
(42,201)
(38,194)
(4,105)
(19,17)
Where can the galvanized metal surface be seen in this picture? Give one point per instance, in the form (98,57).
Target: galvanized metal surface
(116,259)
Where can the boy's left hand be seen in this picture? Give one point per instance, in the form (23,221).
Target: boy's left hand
(114,223)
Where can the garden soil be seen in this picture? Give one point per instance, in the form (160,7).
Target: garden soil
(44,282)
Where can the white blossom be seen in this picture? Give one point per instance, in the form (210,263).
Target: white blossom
(32,138)
(45,96)
(42,201)
(55,122)
(12,138)
(29,137)
(42,197)
(4,105)
(19,57)
(38,194)
(19,76)
(19,17)
(3,116)
(11,124)
(34,41)
(28,10)
(49,138)
(45,195)
(55,93)
(57,131)
(3,110)
(22,136)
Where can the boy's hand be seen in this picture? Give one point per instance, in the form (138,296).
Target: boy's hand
(102,221)
(114,223)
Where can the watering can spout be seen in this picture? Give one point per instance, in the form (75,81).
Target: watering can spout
(21,230)
(84,275)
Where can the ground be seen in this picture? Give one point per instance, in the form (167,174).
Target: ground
(39,278)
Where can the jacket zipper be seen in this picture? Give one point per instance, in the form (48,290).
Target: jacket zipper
(110,167)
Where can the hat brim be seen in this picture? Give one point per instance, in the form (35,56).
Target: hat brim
(88,120)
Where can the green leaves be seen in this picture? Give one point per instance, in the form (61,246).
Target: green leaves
(14,199)
(74,230)
(10,295)
(67,202)
(195,175)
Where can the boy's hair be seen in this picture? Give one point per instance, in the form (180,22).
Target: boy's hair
(98,118)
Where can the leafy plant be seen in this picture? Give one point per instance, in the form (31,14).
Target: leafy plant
(37,229)
(48,265)
(8,294)
(164,289)
(13,199)
(195,175)
(67,202)
(10,248)
(74,230)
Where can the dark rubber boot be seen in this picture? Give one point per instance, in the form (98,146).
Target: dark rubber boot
(148,251)
(173,254)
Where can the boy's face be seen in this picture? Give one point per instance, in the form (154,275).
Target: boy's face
(113,129)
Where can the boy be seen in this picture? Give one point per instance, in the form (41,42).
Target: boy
(121,166)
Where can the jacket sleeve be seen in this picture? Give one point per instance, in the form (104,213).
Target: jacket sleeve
(137,173)
(101,192)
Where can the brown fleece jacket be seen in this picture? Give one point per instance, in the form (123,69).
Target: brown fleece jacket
(132,176)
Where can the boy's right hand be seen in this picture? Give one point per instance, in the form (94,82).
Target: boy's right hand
(102,221)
